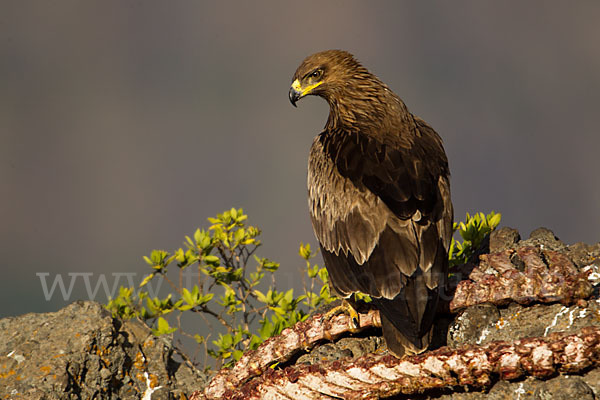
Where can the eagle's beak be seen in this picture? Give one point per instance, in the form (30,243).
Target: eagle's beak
(294,95)
(297,91)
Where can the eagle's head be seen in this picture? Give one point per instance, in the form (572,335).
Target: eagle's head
(326,74)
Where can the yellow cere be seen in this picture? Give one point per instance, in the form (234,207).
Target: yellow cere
(304,91)
(296,85)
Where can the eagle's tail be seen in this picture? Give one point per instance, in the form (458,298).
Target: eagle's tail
(399,344)
(407,320)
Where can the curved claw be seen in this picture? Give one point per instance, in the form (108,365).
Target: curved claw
(345,308)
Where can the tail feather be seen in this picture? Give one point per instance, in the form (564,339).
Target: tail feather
(399,344)
(407,320)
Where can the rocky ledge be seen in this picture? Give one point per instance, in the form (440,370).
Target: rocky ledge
(523,323)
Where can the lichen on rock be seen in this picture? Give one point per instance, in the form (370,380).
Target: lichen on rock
(82,352)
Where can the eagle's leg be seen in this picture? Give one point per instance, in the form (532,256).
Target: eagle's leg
(347,307)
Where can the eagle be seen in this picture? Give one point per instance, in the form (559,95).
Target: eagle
(379,198)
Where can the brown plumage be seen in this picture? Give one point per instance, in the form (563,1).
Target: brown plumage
(379,197)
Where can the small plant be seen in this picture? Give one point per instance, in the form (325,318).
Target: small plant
(226,290)
(313,296)
(473,231)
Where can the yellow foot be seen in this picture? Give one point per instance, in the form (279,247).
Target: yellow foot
(345,308)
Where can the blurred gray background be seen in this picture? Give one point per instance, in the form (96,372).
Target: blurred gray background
(124,125)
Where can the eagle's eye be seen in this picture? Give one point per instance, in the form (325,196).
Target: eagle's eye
(316,74)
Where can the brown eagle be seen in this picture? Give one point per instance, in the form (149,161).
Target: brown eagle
(379,197)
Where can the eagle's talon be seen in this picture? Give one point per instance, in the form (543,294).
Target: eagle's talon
(345,308)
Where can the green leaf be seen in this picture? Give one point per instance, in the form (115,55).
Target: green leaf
(205,299)
(261,297)
(227,341)
(362,297)
(266,330)
(254,342)
(289,295)
(494,220)
(163,327)
(187,296)
(305,251)
(270,266)
(239,235)
(205,242)
(199,339)
(198,236)
(312,271)
(278,310)
(324,291)
(323,275)
(210,259)
(146,280)
(180,256)
(237,354)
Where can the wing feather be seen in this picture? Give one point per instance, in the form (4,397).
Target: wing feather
(382,214)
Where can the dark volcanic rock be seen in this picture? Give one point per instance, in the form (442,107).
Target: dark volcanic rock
(484,323)
(516,321)
(560,388)
(584,254)
(343,348)
(81,352)
(544,238)
(473,324)
(564,388)
(503,238)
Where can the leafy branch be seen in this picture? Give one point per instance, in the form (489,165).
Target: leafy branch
(229,275)
(229,286)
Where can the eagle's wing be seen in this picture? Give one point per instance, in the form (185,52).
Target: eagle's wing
(383,216)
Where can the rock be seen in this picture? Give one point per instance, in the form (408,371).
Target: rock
(82,352)
(559,388)
(592,379)
(349,347)
(545,239)
(563,388)
(473,325)
(503,238)
(486,323)
(584,254)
